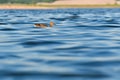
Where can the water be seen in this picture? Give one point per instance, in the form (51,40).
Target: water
(84,44)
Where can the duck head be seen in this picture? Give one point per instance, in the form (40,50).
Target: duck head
(52,24)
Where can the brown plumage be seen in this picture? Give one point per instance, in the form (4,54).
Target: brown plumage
(42,25)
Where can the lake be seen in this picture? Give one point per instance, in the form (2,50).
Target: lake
(84,44)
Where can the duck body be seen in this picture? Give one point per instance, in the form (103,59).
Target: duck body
(43,25)
(40,25)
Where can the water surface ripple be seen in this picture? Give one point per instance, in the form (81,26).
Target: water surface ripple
(84,44)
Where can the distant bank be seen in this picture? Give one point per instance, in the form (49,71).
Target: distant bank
(53,6)
(65,4)
(86,2)
(22,6)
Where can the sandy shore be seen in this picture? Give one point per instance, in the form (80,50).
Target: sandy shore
(85,2)
(51,6)
(6,6)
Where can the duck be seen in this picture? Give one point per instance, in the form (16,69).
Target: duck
(43,25)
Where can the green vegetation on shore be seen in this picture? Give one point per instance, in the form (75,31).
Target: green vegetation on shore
(24,1)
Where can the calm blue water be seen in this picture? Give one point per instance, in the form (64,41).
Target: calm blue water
(84,44)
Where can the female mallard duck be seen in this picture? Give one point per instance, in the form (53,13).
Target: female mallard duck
(42,25)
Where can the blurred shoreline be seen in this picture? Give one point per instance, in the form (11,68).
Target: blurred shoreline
(51,6)
(21,6)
